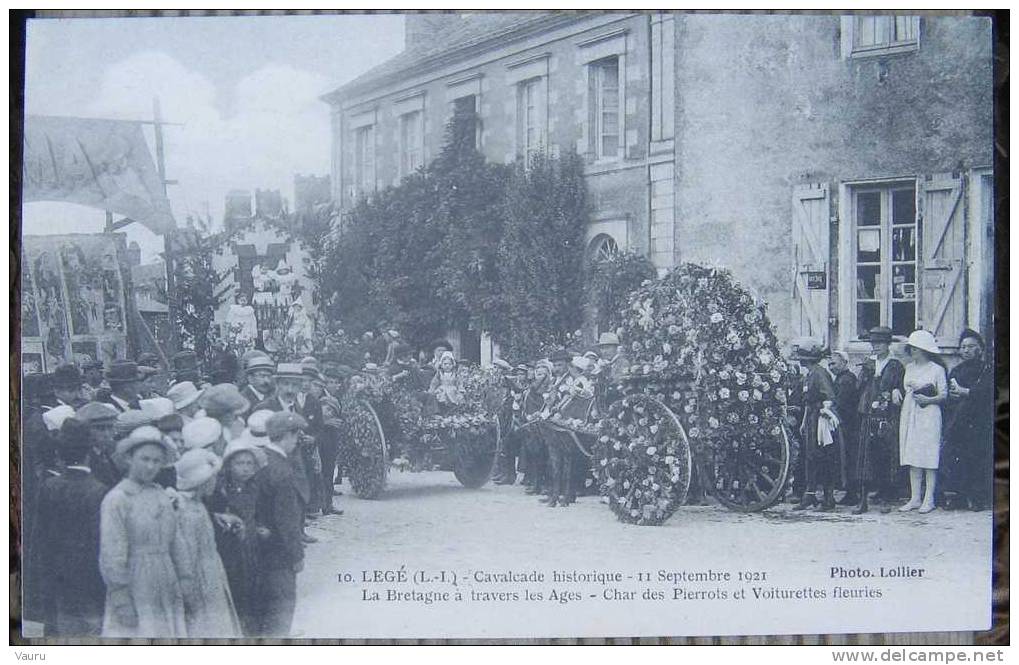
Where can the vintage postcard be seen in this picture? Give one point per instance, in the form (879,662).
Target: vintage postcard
(506,325)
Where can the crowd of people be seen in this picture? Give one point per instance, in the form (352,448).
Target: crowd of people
(895,429)
(173,502)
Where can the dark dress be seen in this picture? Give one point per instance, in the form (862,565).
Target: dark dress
(878,454)
(846,399)
(239,551)
(824,464)
(279,508)
(68,537)
(968,453)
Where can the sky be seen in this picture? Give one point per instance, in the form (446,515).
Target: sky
(245,88)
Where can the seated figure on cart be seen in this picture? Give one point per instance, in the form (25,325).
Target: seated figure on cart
(446,385)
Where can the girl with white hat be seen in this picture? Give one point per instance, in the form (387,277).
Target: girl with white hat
(209,604)
(920,422)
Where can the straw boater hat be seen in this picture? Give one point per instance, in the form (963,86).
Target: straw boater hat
(141,436)
(608,339)
(223,398)
(56,416)
(258,362)
(129,421)
(183,394)
(924,340)
(289,371)
(94,413)
(195,467)
(201,433)
(157,407)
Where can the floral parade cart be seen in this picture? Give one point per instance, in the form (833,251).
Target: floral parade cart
(704,397)
(390,426)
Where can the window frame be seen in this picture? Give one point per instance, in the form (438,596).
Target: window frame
(596,108)
(850,32)
(405,121)
(364,159)
(525,149)
(849,256)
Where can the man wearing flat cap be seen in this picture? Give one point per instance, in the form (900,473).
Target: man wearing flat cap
(100,418)
(124,379)
(879,406)
(280,509)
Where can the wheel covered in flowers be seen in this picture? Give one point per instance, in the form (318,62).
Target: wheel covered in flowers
(642,460)
(365,452)
(703,346)
(469,443)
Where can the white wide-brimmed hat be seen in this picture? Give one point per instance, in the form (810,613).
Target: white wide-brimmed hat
(195,467)
(201,433)
(924,340)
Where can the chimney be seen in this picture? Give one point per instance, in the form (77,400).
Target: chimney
(423,27)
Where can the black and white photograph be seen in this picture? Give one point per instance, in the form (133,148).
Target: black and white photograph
(504,325)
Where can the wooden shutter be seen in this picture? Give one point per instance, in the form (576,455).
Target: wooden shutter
(811,256)
(942,306)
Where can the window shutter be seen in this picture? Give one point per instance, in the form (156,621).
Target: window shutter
(942,306)
(811,258)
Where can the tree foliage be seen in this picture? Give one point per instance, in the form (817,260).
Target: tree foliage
(197,293)
(611,281)
(463,243)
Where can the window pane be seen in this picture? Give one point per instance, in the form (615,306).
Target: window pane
(866,30)
(868,209)
(903,244)
(905,29)
(904,282)
(610,145)
(868,315)
(903,317)
(868,278)
(903,206)
(868,245)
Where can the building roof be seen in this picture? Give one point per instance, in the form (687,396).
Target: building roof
(473,33)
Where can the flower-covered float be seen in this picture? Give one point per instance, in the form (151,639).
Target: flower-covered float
(388,423)
(704,391)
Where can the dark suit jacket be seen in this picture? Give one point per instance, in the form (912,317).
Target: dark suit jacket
(108,399)
(280,509)
(255,400)
(312,412)
(68,538)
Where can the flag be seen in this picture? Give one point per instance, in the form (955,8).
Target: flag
(105,164)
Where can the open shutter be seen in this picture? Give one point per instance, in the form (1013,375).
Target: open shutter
(942,306)
(811,260)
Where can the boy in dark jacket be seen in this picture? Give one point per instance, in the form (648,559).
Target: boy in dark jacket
(280,510)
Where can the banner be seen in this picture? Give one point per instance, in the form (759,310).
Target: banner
(105,164)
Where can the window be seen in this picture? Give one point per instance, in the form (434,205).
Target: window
(603,109)
(364,158)
(468,104)
(530,117)
(884,34)
(603,248)
(411,142)
(885,247)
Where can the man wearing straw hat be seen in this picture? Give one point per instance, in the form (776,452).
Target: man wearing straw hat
(260,377)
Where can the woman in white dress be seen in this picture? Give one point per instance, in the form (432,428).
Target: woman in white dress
(926,387)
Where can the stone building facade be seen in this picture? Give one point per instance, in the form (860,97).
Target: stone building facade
(839,166)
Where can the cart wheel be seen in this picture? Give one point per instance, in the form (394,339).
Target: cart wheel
(369,461)
(473,462)
(646,416)
(749,477)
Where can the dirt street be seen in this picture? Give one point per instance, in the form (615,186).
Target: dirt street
(427,523)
